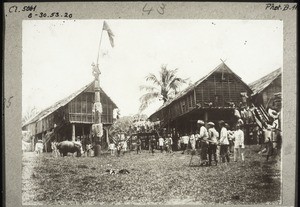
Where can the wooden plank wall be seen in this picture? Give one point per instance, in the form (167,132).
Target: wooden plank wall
(219,90)
(80,109)
(268,93)
(179,107)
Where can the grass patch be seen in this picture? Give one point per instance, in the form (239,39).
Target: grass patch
(154,179)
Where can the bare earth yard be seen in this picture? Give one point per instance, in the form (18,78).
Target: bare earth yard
(154,179)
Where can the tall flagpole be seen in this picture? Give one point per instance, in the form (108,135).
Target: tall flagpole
(97,127)
(100,44)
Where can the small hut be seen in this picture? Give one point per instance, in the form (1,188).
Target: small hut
(71,118)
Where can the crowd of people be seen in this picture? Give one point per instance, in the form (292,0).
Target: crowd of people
(212,145)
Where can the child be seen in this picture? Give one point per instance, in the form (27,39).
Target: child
(112,148)
(39,147)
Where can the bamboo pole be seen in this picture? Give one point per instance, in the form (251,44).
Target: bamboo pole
(98,108)
(100,44)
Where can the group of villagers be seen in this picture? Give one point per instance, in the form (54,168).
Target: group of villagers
(215,146)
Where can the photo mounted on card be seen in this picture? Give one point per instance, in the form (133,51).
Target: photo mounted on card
(150,103)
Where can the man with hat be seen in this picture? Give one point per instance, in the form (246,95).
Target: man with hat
(213,140)
(224,142)
(203,137)
(239,143)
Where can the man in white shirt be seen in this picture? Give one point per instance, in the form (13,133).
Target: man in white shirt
(193,141)
(238,143)
(185,140)
(203,137)
(161,144)
(224,142)
(39,147)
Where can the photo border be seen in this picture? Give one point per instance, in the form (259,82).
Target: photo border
(12,74)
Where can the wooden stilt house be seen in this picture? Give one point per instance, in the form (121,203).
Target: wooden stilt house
(267,95)
(212,98)
(72,118)
(267,90)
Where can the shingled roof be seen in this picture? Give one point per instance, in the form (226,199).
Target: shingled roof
(260,84)
(44,113)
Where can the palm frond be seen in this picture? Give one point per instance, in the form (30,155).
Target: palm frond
(147,99)
(148,88)
(168,82)
(151,77)
(177,83)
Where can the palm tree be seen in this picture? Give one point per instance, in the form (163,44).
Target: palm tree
(164,87)
(30,113)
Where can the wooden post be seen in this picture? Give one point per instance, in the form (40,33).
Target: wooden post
(195,98)
(98,127)
(205,118)
(73,132)
(106,133)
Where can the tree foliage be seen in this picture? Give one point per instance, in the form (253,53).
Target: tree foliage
(164,87)
(30,113)
(122,125)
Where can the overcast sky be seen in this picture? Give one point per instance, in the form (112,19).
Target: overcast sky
(57,55)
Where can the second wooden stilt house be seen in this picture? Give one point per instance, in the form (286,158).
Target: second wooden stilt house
(212,98)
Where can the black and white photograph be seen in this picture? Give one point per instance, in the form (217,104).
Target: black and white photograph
(152,111)
(149,103)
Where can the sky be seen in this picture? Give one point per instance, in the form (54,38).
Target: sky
(57,55)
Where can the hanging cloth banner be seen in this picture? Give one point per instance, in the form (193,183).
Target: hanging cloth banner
(97,107)
(97,130)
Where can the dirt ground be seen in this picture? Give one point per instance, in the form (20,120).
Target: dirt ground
(161,178)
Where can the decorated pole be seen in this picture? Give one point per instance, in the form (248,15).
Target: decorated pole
(97,127)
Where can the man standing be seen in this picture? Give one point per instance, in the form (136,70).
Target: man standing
(138,145)
(203,137)
(213,140)
(170,143)
(238,143)
(185,140)
(230,138)
(193,141)
(224,142)
(161,144)
(39,147)
(153,143)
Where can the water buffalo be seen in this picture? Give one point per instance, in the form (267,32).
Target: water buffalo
(65,147)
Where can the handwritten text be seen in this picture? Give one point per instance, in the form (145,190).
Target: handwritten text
(281,7)
(33,11)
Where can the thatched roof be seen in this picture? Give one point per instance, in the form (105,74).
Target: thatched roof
(44,113)
(262,83)
(221,67)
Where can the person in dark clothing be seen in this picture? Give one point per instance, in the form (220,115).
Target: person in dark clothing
(203,137)
(224,148)
(213,136)
(152,143)
(138,146)
(269,146)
